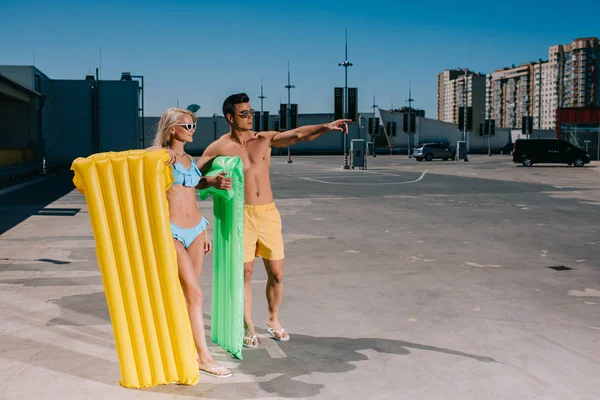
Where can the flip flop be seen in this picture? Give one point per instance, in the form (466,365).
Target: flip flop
(251,341)
(280,338)
(214,371)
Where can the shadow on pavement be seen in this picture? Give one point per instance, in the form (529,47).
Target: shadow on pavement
(305,355)
(58,358)
(17,206)
(308,354)
(279,377)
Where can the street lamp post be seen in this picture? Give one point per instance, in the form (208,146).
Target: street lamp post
(289,87)
(466,90)
(489,122)
(215,116)
(262,97)
(527,120)
(346,64)
(410,137)
(375,128)
(482,127)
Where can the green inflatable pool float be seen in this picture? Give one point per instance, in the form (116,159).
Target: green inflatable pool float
(227,328)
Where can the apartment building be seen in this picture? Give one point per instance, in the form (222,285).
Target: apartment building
(577,64)
(545,95)
(447,94)
(455,87)
(509,94)
(569,78)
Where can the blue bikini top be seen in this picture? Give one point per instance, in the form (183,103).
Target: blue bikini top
(186,177)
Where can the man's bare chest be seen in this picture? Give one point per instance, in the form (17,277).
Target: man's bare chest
(254,154)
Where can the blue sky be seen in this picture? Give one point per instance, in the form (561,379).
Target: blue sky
(202,51)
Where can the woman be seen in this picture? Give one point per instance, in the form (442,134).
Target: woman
(175,129)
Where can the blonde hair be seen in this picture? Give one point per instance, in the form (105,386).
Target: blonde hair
(169,119)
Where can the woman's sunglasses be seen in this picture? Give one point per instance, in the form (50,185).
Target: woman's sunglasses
(189,127)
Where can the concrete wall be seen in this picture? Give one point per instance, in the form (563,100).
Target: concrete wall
(150,124)
(437,131)
(537,133)
(432,130)
(209,129)
(401,139)
(500,139)
(69,126)
(18,126)
(428,130)
(22,124)
(69,118)
(64,128)
(119,118)
(329,143)
(42,85)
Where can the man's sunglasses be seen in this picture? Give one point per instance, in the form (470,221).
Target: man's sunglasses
(189,127)
(246,113)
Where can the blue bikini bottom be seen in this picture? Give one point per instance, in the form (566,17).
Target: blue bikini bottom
(188,235)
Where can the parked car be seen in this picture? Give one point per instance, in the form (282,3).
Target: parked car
(534,151)
(429,151)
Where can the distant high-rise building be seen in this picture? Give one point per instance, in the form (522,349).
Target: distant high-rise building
(509,94)
(577,65)
(570,78)
(447,94)
(544,95)
(455,87)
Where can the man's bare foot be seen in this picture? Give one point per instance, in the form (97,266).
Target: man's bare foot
(276,331)
(250,338)
(210,367)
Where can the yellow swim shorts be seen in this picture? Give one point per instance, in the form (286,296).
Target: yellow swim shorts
(262,232)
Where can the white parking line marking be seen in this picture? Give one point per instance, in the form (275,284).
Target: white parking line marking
(364,183)
(265,341)
(271,346)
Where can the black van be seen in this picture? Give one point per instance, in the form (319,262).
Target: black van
(533,151)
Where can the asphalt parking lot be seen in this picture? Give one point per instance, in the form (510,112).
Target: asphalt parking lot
(408,280)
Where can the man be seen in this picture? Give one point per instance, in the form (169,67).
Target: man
(262,222)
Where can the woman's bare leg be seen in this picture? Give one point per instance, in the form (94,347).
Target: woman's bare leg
(190,264)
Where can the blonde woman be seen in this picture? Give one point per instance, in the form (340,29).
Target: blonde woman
(176,128)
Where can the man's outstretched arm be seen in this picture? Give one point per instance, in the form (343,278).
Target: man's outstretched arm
(308,133)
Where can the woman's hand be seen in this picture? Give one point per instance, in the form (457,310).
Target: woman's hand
(207,246)
(173,159)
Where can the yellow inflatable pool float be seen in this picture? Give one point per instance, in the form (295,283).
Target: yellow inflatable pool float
(125,194)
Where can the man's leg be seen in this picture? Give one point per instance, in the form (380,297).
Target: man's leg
(250,241)
(248,324)
(274,292)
